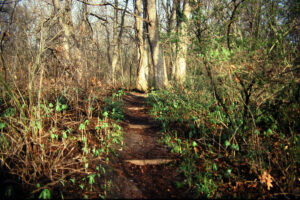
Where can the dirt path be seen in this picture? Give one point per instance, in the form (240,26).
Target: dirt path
(145,168)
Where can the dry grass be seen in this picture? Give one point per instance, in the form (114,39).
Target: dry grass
(56,138)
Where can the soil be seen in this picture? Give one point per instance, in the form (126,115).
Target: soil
(145,168)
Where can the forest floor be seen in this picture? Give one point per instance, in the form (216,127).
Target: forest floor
(144,168)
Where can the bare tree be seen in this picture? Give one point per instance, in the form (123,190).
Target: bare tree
(117,39)
(160,71)
(66,24)
(143,68)
(72,54)
(182,47)
(8,9)
(173,28)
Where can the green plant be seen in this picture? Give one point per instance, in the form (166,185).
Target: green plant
(91,179)
(47,138)
(9,192)
(45,194)
(229,125)
(206,185)
(113,106)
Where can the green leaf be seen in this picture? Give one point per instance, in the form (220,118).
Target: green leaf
(45,194)
(228,172)
(81,186)
(72,180)
(58,108)
(2,125)
(105,114)
(103,169)
(215,167)
(81,127)
(179,184)
(104,125)
(194,144)
(65,134)
(64,107)
(235,147)
(91,179)
(269,132)
(259,112)
(62,182)
(51,105)
(227,143)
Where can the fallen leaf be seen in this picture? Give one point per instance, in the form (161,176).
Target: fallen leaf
(266,178)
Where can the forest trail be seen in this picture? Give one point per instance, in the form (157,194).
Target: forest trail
(144,167)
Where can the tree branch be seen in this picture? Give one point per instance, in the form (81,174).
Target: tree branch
(97,16)
(231,21)
(113,6)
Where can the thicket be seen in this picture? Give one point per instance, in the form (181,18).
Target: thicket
(59,122)
(59,147)
(237,116)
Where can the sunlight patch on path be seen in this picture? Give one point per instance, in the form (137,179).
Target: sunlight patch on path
(136,108)
(139,126)
(149,161)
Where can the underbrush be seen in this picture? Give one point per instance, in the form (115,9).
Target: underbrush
(59,147)
(256,157)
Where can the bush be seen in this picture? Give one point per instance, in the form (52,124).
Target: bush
(199,129)
(54,145)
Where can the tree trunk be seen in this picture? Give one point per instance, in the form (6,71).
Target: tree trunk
(115,45)
(65,21)
(173,28)
(116,41)
(160,72)
(143,68)
(180,74)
